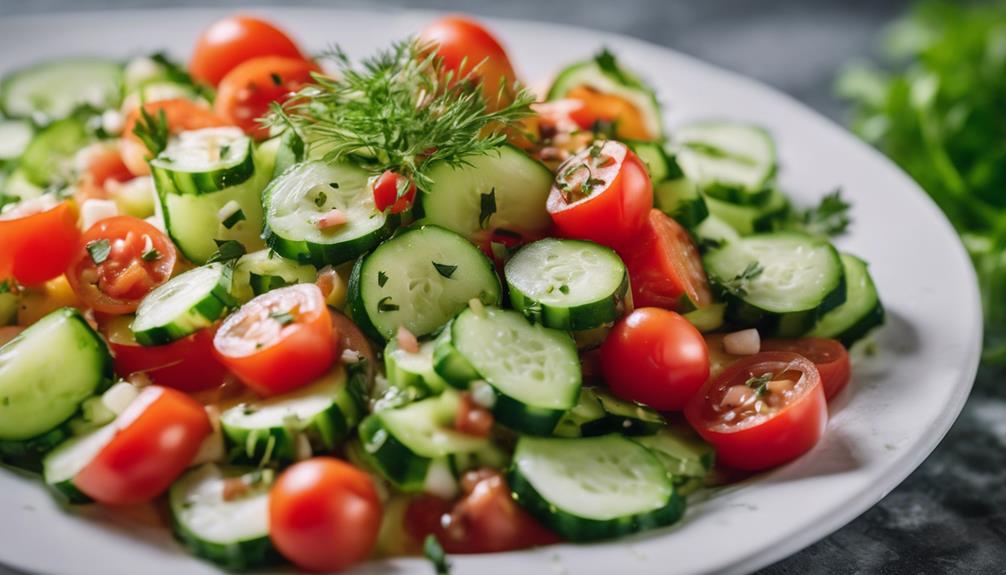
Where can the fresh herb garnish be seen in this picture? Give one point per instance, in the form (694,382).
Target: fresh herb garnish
(433,551)
(150,255)
(382,278)
(564,289)
(152,130)
(739,284)
(386,305)
(487,207)
(6,287)
(227,251)
(759,383)
(232,220)
(334,185)
(224,150)
(445,270)
(99,250)
(276,79)
(829,218)
(320,199)
(283,317)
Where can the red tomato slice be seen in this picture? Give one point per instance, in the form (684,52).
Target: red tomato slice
(247,91)
(665,268)
(602,194)
(279,341)
(763,411)
(139,258)
(468,48)
(181,115)
(38,238)
(829,356)
(324,514)
(156,438)
(386,193)
(231,41)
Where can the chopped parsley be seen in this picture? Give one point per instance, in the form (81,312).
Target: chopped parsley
(276,79)
(99,250)
(232,220)
(739,284)
(759,383)
(382,278)
(564,289)
(227,250)
(487,207)
(433,551)
(6,287)
(334,185)
(152,130)
(829,218)
(283,317)
(386,305)
(445,270)
(320,199)
(151,255)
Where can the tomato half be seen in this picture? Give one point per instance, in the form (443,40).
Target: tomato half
(279,341)
(655,357)
(157,436)
(38,238)
(602,194)
(324,514)
(829,356)
(386,193)
(181,115)
(763,411)
(118,262)
(466,47)
(599,106)
(231,41)
(102,163)
(247,91)
(665,267)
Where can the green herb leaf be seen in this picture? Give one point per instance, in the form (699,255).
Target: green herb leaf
(564,289)
(739,284)
(151,255)
(829,218)
(232,220)
(386,305)
(283,317)
(445,270)
(99,250)
(6,287)
(487,207)
(320,199)
(382,278)
(276,79)
(433,551)
(759,383)
(152,131)
(227,251)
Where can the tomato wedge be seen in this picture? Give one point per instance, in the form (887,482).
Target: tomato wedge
(279,341)
(829,356)
(180,114)
(230,41)
(763,411)
(156,438)
(602,194)
(665,268)
(247,91)
(38,238)
(386,193)
(118,262)
(466,47)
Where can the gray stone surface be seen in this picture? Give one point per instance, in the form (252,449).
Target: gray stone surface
(950,515)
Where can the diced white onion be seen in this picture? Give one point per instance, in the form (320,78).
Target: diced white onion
(483,394)
(112,122)
(440,481)
(476,305)
(119,396)
(744,342)
(93,211)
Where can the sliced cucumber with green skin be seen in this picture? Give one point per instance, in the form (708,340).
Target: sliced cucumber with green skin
(289,152)
(567,284)
(598,412)
(731,161)
(413,371)
(402,443)
(709,318)
(204,161)
(686,456)
(593,488)
(659,164)
(184,305)
(747,220)
(265,270)
(780,283)
(61,466)
(533,370)
(862,310)
(604,75)
(52,90)
(49,157)
(267,430)
(306,192)
(231,532)
(504,189)
(14,138)
(682,200)
(419,280)
(714,232)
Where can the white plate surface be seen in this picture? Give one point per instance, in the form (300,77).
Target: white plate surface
(900,404)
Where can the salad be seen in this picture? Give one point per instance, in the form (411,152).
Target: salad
(321,310)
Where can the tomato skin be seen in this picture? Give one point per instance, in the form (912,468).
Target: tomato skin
(290,355)
(246,92)
(781,438)
(612,216)
(655,357)
(386,193)
(233,40)
(460,40)
(188,364)
(829,356)
(180,114)
(37,246)
(158,435)
(324,514)
(597,106)
(665,267)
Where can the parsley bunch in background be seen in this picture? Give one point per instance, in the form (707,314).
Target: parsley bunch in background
(939,111)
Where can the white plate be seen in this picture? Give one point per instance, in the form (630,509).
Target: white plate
(898,408)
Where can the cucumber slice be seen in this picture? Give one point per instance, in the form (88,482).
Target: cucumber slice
(862,310)
(709,318)
(685,455)
(506,189)
(714,232)
(567,284)
(183,305)
(297,199)
(681,200)
(401,444)
(593,488)
(413,372)
(781,283)
(731,161)
(62,464)
(747,220)
(533,370)
(267,430)
(231,532)
(604,75)
(598,412)
(265,270)
(204,161)
(49,157)
(419,279)
(52,90)
(14,138)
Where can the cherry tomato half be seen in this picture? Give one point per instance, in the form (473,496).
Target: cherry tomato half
(665,268)
(157,436)
(599,106)
(602,194)
(279,341)
(655,357)
(466,47)
(181,115)
(828,355)
(231,41)
(118,262)
(324,514)
(763,411)
(246,92)
(386,193)
(38,238)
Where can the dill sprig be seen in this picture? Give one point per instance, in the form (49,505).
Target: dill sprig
(400,110)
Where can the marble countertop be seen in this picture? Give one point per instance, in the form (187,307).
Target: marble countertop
(950,515)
